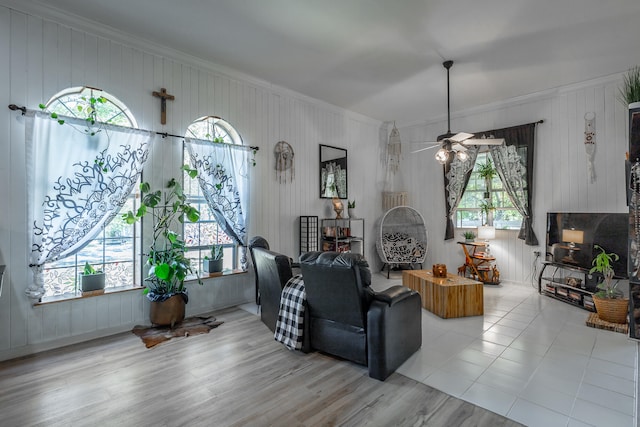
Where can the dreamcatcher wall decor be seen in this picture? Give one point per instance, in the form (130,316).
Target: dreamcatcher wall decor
(590,143)
(284,161)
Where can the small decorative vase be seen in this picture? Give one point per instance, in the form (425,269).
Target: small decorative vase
(439,270)
(352,213)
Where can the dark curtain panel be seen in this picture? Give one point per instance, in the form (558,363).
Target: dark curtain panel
(514,163)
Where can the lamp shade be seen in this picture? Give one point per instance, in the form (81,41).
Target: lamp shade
(572,235)
(486,232)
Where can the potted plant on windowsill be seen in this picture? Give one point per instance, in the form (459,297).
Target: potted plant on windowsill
(609,301)
(168,265)
(91,279)
(214,264)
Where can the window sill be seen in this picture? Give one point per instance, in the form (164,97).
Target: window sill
(111,291)
(81,295)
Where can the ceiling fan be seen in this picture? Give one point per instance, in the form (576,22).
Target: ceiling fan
(456,143)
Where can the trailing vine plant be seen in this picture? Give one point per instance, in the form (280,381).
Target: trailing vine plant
(89,107)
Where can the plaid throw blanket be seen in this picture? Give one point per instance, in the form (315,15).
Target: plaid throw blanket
(289,326)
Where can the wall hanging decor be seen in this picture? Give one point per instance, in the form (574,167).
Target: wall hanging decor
(590,143)
(394,150)
(284,161)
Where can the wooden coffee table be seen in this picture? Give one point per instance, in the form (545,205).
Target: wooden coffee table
(448,297)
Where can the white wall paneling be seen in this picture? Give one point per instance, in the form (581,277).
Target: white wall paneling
(46,57)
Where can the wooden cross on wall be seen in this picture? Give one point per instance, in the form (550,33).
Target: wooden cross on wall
(163,95)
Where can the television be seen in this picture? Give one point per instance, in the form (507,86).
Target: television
(572,236)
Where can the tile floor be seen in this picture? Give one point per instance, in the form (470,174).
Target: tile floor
(529,358)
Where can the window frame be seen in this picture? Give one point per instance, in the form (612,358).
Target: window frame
(476,185)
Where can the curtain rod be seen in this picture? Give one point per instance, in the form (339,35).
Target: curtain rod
(24,110)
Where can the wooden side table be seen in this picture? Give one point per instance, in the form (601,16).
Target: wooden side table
(447,297)
(479,263)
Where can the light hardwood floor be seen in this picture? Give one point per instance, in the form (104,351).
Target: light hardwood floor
(236,375)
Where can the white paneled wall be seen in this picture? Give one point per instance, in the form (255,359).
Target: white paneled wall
(45,57)
(561,180)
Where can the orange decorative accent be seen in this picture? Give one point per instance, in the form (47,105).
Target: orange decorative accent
(439,270)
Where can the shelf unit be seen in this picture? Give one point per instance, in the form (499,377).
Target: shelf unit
(479,264)
(343,235)
(308,234)
(568,284)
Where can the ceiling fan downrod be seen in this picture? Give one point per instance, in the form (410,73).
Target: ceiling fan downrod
(447,65)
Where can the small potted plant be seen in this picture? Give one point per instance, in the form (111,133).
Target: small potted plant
(91,279)
(469,236)
(609,301)
(214,264)
(351,206)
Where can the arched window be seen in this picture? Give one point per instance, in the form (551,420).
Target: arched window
(202,235)
(113,249)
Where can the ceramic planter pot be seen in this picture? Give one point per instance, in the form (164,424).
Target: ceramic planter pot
(91,282)
(168,312)
(212,265)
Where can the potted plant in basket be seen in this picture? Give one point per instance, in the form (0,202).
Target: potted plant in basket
(168,265)
(214,264)
(609,301)
(91,279)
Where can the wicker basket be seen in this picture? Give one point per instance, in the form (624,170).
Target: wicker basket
(612,310)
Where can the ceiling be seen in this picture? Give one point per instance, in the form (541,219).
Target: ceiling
(383,58)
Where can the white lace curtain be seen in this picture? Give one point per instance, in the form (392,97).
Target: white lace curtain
(223,176)
(69,195)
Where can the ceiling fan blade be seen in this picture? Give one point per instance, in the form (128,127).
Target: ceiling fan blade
(461,136)
(426,148)
(484,141)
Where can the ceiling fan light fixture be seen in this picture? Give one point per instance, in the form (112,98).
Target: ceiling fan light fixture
(463,156)
(442,155)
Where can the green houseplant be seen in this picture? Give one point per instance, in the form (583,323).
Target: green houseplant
(630,89)
(91,279)
(213,264)
(351,206)
(487,172)
(168,265)
(469,236)
(609,301)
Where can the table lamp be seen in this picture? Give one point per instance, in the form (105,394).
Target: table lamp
(572,237)
(486,233)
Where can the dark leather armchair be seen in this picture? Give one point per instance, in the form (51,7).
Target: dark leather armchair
(273,270)
(350,320)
